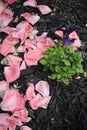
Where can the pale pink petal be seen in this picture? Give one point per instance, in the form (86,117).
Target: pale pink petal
(9,12)
(45,44)
(2,127)
(43,88)
(14,60)
(73,35)
(42,37)
(12,101)
(76,44)
(49,42)
(23,65)
(7,45)
(25,128)
(31,3)
(34,32)
(59,33)
(30,93)
(12,73)
(45,102)
(10,1)
(21,48)
(28,44)
(33,56)
(24,25)
(20,34)
(32,19)
(13,122)
(8,29)
(44,9)
(22,115)
(3,85)
(12,50)
(4,119)
(2,7)
(5,20)
(36,102)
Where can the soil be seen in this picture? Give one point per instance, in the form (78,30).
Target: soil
(67,109)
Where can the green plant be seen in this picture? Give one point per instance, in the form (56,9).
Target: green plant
(62,62)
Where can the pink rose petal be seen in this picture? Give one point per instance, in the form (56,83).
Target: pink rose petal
(3,85)
(24,25)
(22,115)
(21,48)
(13,122)
(4,120)
(9,12)
(30,93)
(44,9)
(59,33)
(76,44)
(12,73)
(5,20)
(33,56)
(73,35)
(31,3)
(8,29)
(32,19)
(12,101)
(14,60)
(2,7)
(45,102)
(23,65)
(7,45)
(43,88)
(36,102)
(25,128)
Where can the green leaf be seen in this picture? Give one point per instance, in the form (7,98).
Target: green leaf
(66,62)
(53,76)
(43,61)
(65,81)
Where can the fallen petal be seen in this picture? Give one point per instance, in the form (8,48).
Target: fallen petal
(12,73)
(30,93)
(32,19)
(5,20)
(43,88)
(25,128)
(3,85)
(44,9)
(36,102)
(31,3)
(73,35)
(59,33)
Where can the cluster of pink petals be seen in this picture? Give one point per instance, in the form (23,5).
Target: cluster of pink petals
(6,15)
(14,102)
(27,36)
(42,98)
(73,36)
(22,38)
(44,9)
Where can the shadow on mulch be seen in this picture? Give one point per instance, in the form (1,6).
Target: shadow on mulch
(68,107)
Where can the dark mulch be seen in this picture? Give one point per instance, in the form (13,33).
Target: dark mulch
(68,107)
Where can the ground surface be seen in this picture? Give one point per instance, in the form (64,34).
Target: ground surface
(68,107)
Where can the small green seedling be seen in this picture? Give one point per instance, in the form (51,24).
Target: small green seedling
(63,62)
